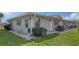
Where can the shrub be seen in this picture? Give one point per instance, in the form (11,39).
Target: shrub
(60,28)
(75,26)
(39,31)
(7,27)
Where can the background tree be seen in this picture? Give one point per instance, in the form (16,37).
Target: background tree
(1,16)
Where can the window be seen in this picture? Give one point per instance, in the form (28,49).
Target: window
(18,22)
(49,19)
(26,20)
(37,23)
(30,18)
(26,23)
(38,20)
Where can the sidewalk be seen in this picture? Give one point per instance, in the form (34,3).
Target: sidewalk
(30,36)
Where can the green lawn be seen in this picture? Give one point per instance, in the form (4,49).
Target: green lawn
(67,38)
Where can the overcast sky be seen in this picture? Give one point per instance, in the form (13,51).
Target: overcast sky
(66,15)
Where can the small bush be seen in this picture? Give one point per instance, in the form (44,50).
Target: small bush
(39,31)
(75,26)
(60,28)
(7,27)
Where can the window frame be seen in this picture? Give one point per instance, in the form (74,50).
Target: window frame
(19,22)
(37,23)
(26,23)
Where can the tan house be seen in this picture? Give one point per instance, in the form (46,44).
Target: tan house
(22,24)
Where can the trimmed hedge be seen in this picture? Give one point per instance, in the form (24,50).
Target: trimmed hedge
(39,31)
(7,27)
(60,28)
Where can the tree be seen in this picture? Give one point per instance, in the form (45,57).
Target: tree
(1,16)
(7,27)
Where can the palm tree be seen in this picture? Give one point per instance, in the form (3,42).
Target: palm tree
(1,16)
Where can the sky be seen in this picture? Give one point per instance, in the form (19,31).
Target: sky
(66,15)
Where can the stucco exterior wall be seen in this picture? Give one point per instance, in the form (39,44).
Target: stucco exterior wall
(45,23)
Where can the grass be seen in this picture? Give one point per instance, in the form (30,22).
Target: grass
(67,38)
(9,39)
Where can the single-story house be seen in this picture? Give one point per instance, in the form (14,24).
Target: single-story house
(22,24)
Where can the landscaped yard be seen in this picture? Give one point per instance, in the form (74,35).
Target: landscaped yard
(66,38)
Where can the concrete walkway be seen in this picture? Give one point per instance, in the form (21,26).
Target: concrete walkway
(30,36)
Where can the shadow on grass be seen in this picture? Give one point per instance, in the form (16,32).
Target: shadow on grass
(44,38)
(10,39)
